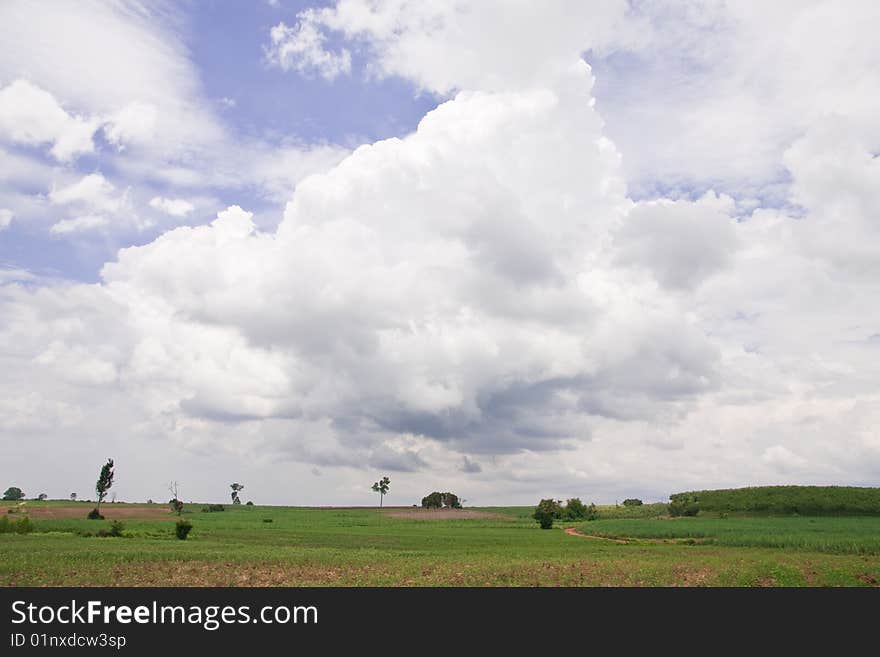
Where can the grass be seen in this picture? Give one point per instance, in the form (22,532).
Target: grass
(366,547)
(834,535)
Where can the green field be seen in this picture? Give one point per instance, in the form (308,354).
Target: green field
(357,547)
(846,535)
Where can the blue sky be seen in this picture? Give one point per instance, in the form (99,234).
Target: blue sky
(348,110)
(225,44)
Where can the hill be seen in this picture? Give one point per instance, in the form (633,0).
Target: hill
(803,500)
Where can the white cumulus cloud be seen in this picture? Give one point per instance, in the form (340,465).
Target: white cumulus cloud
(93,191)
(176,207)
(78,224)
(30,115)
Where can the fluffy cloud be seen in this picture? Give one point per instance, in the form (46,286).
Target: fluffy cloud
(92,202)
(680,242)
(113,60)
(301,48)
(455,45)
(176,207)
(482,297)
(93,191)
(133,124)
(454,316)
(417,292)
(30,115)
(78,224)
(837,176)
(715,92)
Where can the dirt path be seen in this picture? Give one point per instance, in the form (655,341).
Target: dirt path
(571,531)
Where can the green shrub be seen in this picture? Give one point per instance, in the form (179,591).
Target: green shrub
(94,514)
(213,508)
(21,526)
(267,519)
(249,503)
(575,509)
(546,512)
(176,505)
(24,525)
(683,506)
(115,530)
(632,501)
(182,529)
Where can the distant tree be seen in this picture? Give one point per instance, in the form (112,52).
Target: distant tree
(175,502)
(592,512)
(450,501)
(546,511)
(683,504)
(632,501)
(105,481)
(382,487)
(249,503)
(42,496)
(236,488)
(438,500)
(432,500)
(575,509)
(73,497)
(13,493)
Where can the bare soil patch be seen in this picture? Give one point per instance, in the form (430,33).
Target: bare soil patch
(109,511)
(444,514)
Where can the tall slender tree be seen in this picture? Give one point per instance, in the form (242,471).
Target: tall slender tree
(236,488)
(176,504)
(105,481)
(381,487)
